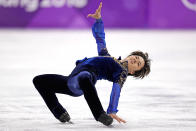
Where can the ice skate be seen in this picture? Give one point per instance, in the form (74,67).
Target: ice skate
(105,119)
(64,117)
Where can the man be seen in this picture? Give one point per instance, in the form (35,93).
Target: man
(83,78)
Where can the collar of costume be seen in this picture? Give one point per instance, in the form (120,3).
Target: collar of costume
(123,64)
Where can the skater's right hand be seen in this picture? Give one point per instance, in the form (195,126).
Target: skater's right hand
(97,14)
(114,116)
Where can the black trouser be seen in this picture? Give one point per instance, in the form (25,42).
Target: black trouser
(49,84)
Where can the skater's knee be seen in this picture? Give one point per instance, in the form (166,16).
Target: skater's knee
(85,80)
(36,80)
(85,76)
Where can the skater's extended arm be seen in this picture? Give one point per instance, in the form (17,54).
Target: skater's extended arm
(98,32)
(99,35)
(115,94)
(114,99)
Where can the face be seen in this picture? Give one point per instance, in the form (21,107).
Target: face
(135,63)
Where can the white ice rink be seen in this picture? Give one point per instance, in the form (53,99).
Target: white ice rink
(164,101)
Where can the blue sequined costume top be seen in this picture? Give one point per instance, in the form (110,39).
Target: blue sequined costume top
(104,66)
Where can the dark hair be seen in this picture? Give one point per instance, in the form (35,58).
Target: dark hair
(146,69)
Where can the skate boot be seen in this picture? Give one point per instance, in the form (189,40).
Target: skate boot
(64,117)
(105,119)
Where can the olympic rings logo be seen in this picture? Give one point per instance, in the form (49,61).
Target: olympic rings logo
(189,5)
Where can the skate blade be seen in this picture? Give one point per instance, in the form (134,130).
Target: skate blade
(70,122)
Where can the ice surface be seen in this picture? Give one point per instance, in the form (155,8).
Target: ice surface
(164,101)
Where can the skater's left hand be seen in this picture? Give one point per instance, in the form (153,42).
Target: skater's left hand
(97,14)
(114,116)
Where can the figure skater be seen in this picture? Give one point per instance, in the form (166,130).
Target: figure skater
(83,78)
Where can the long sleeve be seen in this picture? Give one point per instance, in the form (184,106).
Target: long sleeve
(116,89)
(114,98)
(99,35)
